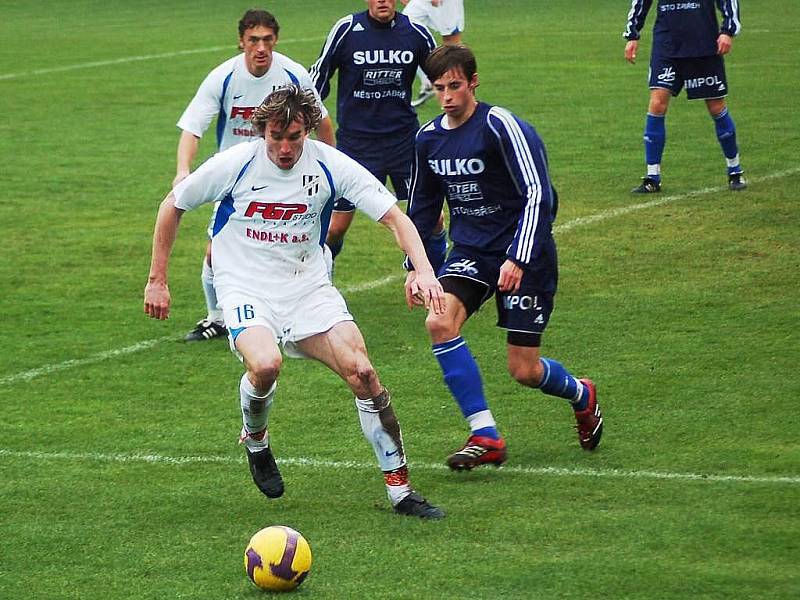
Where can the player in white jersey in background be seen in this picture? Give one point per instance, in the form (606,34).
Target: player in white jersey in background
(443,16)
(231,93)
(275,199)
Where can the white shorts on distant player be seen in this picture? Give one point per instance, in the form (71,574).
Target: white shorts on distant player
(447,18)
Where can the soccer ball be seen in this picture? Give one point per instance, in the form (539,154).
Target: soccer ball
(277,558)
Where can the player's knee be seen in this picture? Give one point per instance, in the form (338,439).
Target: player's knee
(527,374)
(360,374)
(265,370)
(440,328)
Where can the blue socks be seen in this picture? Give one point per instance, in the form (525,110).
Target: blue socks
(463,378)
(557,381)
(655,136)
(726,134)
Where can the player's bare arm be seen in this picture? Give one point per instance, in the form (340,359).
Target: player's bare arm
(156,292)
(425,282)
(187,151)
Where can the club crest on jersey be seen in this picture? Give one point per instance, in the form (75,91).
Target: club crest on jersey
(457,166)
(311,184)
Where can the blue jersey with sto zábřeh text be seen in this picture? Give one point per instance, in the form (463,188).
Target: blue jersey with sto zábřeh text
(493,172)
(377,63)
(684,29)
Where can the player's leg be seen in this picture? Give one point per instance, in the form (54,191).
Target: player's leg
(705,80)
(213,325)
(341,348)
(262,358)
(461,373)
(525,315)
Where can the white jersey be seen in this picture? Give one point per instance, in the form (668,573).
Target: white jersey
(231,93)
(447,18)
(271,222)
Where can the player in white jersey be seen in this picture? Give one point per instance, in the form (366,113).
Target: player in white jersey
(444,16)
(275,199)
(231,93)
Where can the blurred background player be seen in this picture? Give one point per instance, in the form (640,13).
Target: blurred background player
(444,16)
(492,168)
(376,53)
(275,195)
(688,46)
(231,92)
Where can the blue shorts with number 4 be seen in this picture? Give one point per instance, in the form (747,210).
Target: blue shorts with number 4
(703,77)
(472,277)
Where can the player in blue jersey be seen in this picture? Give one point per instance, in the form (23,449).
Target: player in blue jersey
(688,46)
(376,53)
(491,167)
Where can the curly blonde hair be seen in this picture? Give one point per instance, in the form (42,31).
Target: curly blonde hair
(286,105)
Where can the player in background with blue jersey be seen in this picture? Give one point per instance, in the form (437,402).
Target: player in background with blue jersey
(376,53)
(230,94)
(688,46)
(491,167)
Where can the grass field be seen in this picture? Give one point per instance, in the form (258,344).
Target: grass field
(120,476)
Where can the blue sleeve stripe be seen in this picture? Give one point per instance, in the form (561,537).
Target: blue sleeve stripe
(635,19)
(531,181)
(335,37)
(425,33)
(292,77)
(325,217)
(222,117)
(225,209)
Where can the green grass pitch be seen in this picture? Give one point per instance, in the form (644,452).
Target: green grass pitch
(120,476)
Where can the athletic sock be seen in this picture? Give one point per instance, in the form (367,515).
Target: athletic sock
(255,414)
(726,134)
(437,249)
(463,378)
(207,277)
(655,136)
(557,381)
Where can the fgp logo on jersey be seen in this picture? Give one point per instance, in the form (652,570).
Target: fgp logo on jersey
(311,184)
(275,211)
(246,112)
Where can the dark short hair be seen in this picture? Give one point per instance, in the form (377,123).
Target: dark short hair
(285,105)
(255,17)
(444,58)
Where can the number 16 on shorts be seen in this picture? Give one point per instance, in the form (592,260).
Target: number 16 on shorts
(244,312)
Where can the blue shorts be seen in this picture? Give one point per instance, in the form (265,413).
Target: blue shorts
(383,158)
(703,77)
(472,277)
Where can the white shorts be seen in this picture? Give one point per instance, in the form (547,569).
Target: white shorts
(310,311)
(447,18)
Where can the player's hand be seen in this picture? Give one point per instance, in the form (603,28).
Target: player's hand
(724,43)
(156,300)
(427,290)
(413,297)
(510,277)
(630,51)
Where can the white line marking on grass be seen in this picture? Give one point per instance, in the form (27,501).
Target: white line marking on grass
(130,59)
(353,465)
(370,285)
(78,362)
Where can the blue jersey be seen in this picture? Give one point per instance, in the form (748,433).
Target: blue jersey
(493,172)
(684,29)
(377,63)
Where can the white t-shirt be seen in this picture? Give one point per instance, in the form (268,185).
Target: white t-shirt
(447,18)
(231,93)
(271,222)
